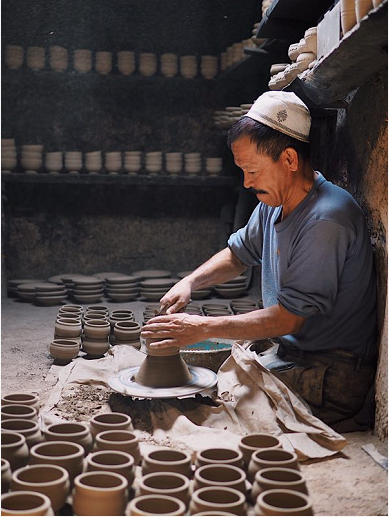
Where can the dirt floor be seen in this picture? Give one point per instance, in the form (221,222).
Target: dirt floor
(351,483)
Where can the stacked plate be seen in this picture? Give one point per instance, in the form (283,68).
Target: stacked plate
(13,284)
(93,162)
(26,291)
(216,309)
(8,154)
(132,161)
(154,289)
(31,158)
(88,289)
(54,162)
(122,288)
(232,288)
(200,294)
(36,58)
(147,64)
(113,162)
(153,162)
(103,62)
(209,67)
(50,294)
(242,306)
(152,273)
(173,162)
(213,165)
(192,163)
(67,280)
(58,58)
(13,56)
(73,161)
(126,62)
(188,66)
(169,65)
(82,60)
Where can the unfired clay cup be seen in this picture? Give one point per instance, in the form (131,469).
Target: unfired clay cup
(112,461)
(167,460)
(18,411)
(220,476)
(65,454)
(14,449)
(283,502)
(278,477)
(25,503)
(219,456)
(121,440)
(75,432)
(173,484)
(155,505)
(28,428)
(6,475)
(266,458)
(224,499)
(253,442)
(110,422)
(27,399)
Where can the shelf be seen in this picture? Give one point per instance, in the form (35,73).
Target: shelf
(360,54)
(120,179)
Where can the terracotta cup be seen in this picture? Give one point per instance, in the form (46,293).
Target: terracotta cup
(253,442)
(173,484)
(263,459)
(220,476)
(110,422)
(219,456)
(68,455)
(18,411)
(100,493)
(112,461)
(75,432)
(6,475)
(25,503)
(50,480)
(283,502)
(121,440)
(28,428)
(26,399)
(212,498)
(278,477)
(155,505)
(167,460)
(14,449)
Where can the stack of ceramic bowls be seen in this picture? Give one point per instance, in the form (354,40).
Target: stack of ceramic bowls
(36,58)
(67,280)
(113,162)
(209,67)
(213,165)
(232,288)
(173,162)
(49,293)
(147,64)
(153,163)
(122,288)
(12,285)
(58,58)
(8,154)
(188,66)
(26,291)
(144,274)
(216,309)
(192,163)
(31,158)
(103,62)
(221,119)
(13,56)
(93,162)
(88,289)
(73,161)
(241,306)
(82,60)
(72,311)
(126,62)
(95,339)
(169,65)
(127,333)
(54,161)
(154,289)
(116,316)
(132,161)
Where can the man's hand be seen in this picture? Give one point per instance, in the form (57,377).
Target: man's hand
(177,330)
(177,297)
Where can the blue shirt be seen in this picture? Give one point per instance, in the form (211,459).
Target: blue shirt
(317,263)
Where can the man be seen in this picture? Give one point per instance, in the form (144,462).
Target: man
(318,283)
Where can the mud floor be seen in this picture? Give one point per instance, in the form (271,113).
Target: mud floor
(351,483)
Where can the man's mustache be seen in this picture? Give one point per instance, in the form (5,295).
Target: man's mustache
(255,191)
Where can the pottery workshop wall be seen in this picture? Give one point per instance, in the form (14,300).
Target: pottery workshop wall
(51,228)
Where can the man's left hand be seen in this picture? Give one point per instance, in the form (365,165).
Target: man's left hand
(177,330)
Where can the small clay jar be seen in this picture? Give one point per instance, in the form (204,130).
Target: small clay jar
(26,399)
(155,505)
(76,309)
(50,480)
(98,309)
(28,428)
(100,493)
(112,461)
(96,329)
(68,455)
(95,348)
(68,328)
(75,432)
(88,316)
(19,411)
(127,330)
(219,456)
(212,498)
(278,477)
(220,476)
(64,350)
(253,442)
(266,458)
(173,484)
(14,449)
(25,503)
(69,316)
(120,316)
(167,460)
(110,422)
(125,441)
(283,502)
(6,475)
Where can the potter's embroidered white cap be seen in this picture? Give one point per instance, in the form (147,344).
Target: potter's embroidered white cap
(283,111)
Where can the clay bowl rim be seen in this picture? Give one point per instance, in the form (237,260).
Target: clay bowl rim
(19,439)
(211,482)
(181,507)
(5,465)
(290,493)
(43,507)
(97,323)
(49,430)
(64,475)
(95,419)
(78,481)
(253,448)
(5,401)
(25,432)
(155,461)
(124,312)
(96,308)
(31,413)
(68,342)
(259,476)
(129,459)
(238,457)
(142,483)
(278,451)
(69,321)
(79,453)
(241,498)
(130,324)
(103,439)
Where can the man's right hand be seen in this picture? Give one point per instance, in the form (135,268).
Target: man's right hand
(176,298)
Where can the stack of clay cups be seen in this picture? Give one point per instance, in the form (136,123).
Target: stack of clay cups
(54,161)
(192,163)
(126,62)
(31,157)
(93,162)
(8,154)
(113,162)
(213,165)
(68,281)
(188,66)
(132,161)
(58,58)
(209,67)
(122,288)
(36,58)
(118,440)
(114,421)
(153,163)
(119,315)
(13,56)
(103,62)
(73,161)
(96,337)
(88,289)
(173,162)
(127,333)
(147,64)
(169,65)
(82,60)
(67,337)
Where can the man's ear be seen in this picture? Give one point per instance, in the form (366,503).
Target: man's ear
(291,157)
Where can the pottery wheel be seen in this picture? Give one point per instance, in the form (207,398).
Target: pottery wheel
(124,382)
